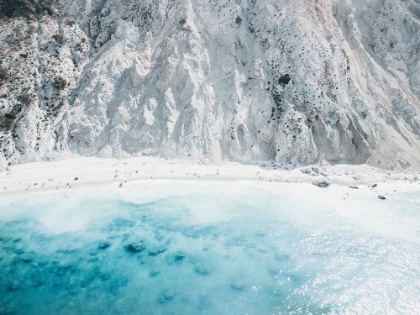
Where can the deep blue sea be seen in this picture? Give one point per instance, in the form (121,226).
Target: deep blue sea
(210,249)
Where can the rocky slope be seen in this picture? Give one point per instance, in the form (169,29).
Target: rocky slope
(289,81)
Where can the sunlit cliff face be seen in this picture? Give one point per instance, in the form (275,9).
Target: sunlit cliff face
(291,81)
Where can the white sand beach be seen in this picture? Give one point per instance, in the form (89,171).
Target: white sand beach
(93,173)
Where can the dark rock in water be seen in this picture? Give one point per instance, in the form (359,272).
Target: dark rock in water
(381,197)
(321,183)
(237,285)
(204,304)
(74,290)
(93,253)
(37,279)
(104,245)
(66,251)
(116,284)
(8,310)
(61,269)
(156,251)
(41,263)
(15,285)
(293,278)
(119,282)
(135,247)
(179,257)
(19,251)
(164,298)
(273,271)
(104,276)
(202,270)
(26,258)
(154,273)
(4,239)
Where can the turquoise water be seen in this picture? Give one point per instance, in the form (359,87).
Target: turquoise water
(210,250)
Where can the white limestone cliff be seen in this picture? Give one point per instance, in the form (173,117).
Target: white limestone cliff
(246,80)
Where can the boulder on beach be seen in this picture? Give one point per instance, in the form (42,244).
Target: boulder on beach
(381,197)
(322,183)
(306,170)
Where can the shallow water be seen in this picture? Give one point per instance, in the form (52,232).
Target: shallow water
(210,250)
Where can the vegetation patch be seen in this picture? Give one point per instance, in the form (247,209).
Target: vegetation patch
(25,98)
(59,38)
(59,82)
(10,8)
(10,115)
(4,75)
(7,121)
(70,22)
(284,79)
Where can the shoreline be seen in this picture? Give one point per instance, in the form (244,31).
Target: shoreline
(86,172)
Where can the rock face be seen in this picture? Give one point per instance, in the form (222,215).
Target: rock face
(245,80)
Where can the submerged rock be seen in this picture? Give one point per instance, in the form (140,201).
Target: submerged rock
(202,270)
(4,239)
(135,247)
(37,279)
(179,257)
(15,285)
(237,285)
(164,298)
(26,258)
(156,251)
(67,251)
(154,273)
(104,245)
(18,251)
